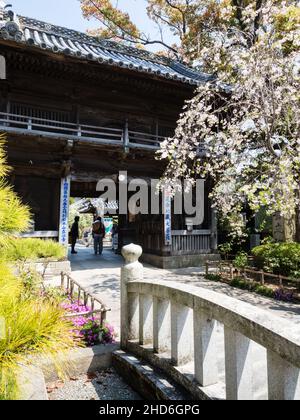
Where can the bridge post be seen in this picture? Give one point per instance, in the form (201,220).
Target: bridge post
(283,379)
(238,366)
(182,343)
(206,348)
(161,325)
(131,271)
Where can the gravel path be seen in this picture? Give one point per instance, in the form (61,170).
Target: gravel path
(106,385)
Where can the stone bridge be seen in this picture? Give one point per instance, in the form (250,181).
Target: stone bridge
(212,345)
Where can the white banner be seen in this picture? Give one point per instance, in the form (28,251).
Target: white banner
(168,218)
(64,211)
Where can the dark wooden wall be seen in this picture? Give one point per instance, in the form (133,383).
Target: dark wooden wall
(88,93)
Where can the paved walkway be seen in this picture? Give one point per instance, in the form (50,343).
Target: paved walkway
(101,276)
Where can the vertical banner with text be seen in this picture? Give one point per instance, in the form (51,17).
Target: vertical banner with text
(168,217)
(64,211)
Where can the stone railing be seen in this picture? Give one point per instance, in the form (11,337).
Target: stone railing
(215,346)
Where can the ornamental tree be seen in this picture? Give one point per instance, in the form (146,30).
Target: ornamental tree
(194,24)
(243,129)
(14,216)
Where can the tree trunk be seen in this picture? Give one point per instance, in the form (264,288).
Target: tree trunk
(284,229)
(298,224)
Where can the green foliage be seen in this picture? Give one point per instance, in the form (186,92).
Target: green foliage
(86,220)
(251,286)
(225,249)
(213,277)
(30,250)
(33,325)
(268,240)
(279,258)
(14,216)
(243,284)
(241,260)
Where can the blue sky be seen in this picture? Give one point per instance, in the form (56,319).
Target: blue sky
(67,13)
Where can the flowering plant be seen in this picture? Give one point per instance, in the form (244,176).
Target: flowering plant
(88,329)
(241,130)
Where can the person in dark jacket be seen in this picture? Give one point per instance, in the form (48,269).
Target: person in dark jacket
(74,234)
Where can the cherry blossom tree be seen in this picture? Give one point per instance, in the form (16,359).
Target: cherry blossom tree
(243,129)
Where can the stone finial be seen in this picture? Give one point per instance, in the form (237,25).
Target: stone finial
(131,271)
(132,253)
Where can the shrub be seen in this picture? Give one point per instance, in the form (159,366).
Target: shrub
(284,295)
(252,287)
(14,216)
(225,249)
(33,325)
(88,329)
(240,283)
(279,258)
(19,249)
(213,277)
(241,260)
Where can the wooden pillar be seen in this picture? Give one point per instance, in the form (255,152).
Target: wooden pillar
(214,230)
(126,137)
(2,68)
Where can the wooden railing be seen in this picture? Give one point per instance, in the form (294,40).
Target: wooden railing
(86,133)
(198,241)
(213,345)
(261,276)
(77,293)
(137,139)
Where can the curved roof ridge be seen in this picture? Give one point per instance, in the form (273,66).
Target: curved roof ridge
(81,36)
(61,40)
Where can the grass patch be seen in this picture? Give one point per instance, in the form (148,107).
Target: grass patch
(18,249)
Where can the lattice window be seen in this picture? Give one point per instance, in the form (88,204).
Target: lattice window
(49,116)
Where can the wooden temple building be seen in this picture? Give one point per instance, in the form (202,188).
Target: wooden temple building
(76,109)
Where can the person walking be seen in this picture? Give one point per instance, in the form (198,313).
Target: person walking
(74,234)
(98,235)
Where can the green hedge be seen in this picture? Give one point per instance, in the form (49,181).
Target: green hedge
(279,258)
(30,250)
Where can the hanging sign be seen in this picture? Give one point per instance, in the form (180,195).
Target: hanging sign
(168,217)
(64,211)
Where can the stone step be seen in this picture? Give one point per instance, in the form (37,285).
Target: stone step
(150,383)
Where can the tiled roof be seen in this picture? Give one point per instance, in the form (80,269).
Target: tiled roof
(72,43)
